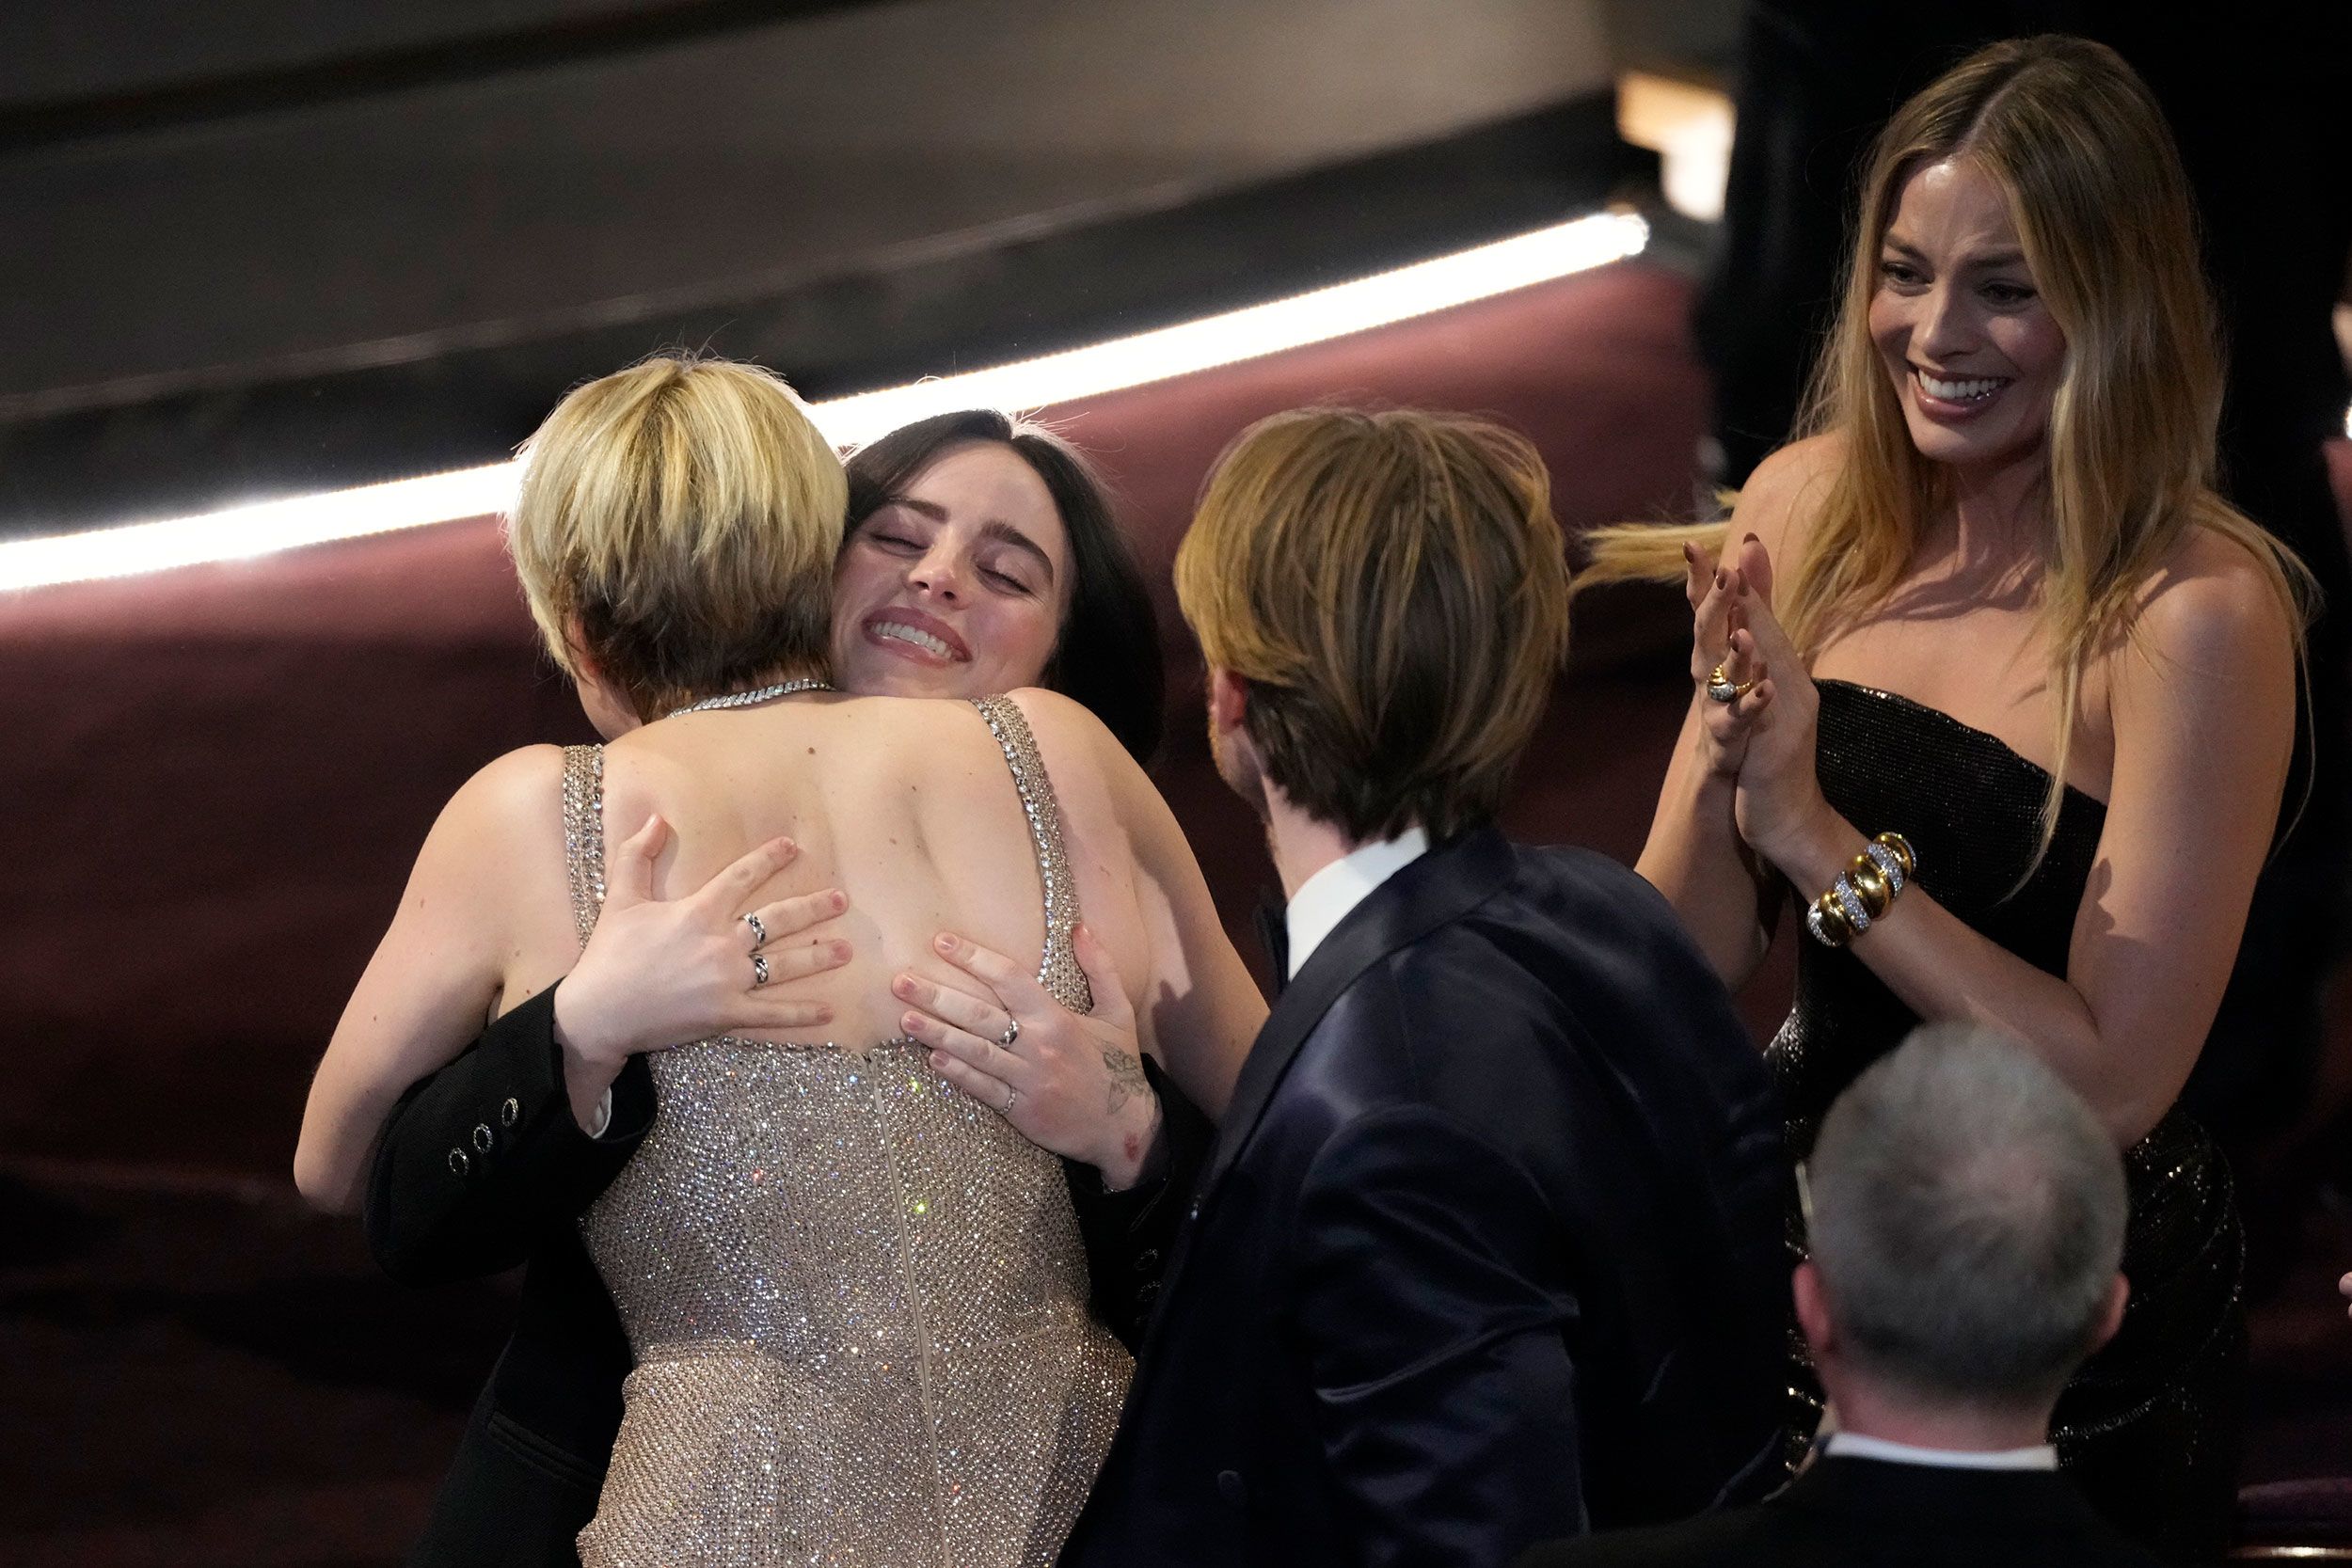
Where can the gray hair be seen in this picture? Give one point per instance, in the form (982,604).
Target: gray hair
(1967,1219)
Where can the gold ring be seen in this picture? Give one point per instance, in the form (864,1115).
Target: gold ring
(1719,686)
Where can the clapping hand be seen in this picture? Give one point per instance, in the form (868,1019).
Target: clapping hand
(1778,802)
(1723,662)
(1070,1085)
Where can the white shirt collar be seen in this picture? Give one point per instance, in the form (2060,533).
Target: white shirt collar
(1323,899)
(1855,1445)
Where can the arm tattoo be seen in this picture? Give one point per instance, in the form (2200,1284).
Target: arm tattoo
(1127,1078)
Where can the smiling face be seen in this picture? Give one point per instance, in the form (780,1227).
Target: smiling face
(1975,355)
(956,585)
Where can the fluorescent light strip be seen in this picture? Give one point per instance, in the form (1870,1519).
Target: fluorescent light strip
(1318,316)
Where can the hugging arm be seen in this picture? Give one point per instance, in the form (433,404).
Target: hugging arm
(481,1155)
(437,972)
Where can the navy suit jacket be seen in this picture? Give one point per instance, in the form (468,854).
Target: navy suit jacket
(1488,1250)
(1848,1512)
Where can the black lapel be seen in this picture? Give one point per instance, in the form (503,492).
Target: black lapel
(1274,935)
(1440,887)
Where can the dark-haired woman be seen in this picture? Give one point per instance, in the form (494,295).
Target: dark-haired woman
(982,556)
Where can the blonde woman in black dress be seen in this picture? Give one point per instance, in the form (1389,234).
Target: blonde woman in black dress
(1992,679)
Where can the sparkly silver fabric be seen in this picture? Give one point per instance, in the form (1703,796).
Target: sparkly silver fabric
(856,1297)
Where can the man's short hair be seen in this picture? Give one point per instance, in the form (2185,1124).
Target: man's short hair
(682,517)
(1394,589)
(1967,1214)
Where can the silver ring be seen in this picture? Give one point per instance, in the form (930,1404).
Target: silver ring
(759,970)
(1012,1032)
(1012,1097)
(759,931)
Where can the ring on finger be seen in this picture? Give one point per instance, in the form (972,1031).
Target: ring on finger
(1720,689)
(759,970)
(1013,1031)
(1012,1097)
(759,931)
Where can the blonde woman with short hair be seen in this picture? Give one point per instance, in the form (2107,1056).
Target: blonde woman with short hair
(854,1294)
(1997,685)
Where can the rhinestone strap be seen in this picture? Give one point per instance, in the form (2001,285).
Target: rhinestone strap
(583,833)
(1058,968)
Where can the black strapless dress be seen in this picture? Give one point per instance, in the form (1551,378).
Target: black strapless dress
(2151,1426)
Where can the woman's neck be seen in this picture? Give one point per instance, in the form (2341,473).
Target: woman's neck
(2000,513)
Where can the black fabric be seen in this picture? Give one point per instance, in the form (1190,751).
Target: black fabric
(2150,1427)
(1487,1248)
(1848,1512)
(1272,920)
(1128,1234)
(528,1470)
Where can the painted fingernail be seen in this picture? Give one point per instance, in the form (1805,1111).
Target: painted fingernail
(839,900)
(945,942)
(911,1023)
(1748,540)
(903,985)
(840,951)
(1723,579)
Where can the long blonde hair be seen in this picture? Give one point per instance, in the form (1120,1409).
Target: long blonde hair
(2109,231)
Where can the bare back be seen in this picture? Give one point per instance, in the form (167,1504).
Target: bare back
(915,808)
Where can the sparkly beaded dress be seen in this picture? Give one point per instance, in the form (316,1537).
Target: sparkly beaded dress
(2150,1427)
(856,1297)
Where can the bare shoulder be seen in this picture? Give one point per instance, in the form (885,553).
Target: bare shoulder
(2212,613)
(500,838)
(1777,502)
(508,794)
(1092,773)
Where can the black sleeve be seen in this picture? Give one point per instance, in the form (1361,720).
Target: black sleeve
(1128,1233)
(480,1158)
(1433,1304)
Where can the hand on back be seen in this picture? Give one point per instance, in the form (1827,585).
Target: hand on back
(659,972)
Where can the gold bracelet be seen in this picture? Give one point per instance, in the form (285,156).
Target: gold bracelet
(1864,891)
(1870,883)
(1827,922)
(1900,846)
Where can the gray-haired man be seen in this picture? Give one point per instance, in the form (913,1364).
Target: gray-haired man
(1966,1219)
